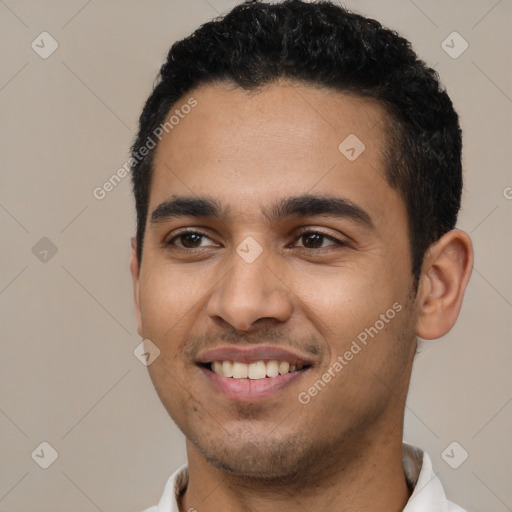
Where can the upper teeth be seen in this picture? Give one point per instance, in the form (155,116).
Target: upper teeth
(254,371)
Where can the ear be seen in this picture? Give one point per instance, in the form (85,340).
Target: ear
(447,267)
(135,271)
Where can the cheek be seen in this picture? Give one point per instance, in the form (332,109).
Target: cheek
(343,300)
(367,367)
(360,313)
(168,296)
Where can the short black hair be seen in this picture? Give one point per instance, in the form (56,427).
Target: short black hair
(323,44)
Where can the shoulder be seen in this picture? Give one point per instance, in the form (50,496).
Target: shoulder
(175,484)
(427,490)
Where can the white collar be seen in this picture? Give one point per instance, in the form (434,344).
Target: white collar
(428,494)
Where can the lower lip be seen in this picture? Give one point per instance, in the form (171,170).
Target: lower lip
(248,390)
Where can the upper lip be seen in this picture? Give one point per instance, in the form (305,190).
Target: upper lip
(252,354)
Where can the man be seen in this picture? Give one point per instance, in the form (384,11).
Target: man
(297,177)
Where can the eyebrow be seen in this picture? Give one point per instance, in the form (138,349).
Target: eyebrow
(306,205)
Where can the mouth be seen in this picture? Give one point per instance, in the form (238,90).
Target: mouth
(252,373)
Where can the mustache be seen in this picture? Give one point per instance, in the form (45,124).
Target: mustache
(192,345)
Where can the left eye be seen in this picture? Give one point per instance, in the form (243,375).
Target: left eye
(315,239)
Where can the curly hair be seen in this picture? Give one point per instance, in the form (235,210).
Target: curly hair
(324,44)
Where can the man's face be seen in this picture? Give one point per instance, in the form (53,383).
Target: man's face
(260,284)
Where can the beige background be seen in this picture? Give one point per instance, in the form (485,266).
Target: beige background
(68,375)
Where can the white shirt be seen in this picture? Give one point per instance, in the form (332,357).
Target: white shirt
(428,494)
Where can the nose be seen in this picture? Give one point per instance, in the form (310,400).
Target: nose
(249,292)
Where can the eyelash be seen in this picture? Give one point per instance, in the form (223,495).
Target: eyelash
(300,234)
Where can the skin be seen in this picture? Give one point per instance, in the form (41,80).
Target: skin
(342,451)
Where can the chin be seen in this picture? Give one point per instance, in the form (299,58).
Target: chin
(274,459)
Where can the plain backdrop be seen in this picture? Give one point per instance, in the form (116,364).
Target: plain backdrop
(68,373)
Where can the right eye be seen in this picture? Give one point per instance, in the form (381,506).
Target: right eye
(188,239)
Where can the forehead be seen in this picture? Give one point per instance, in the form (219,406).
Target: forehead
(244,146)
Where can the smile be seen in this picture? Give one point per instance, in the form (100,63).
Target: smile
(251,373)
(254,371)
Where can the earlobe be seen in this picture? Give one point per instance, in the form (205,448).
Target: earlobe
(135,272)
(446,271)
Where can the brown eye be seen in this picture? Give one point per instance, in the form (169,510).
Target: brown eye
(316,239)
(187,240)
(190,240)
(312,240)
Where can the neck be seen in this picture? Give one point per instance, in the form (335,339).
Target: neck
(366,475)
